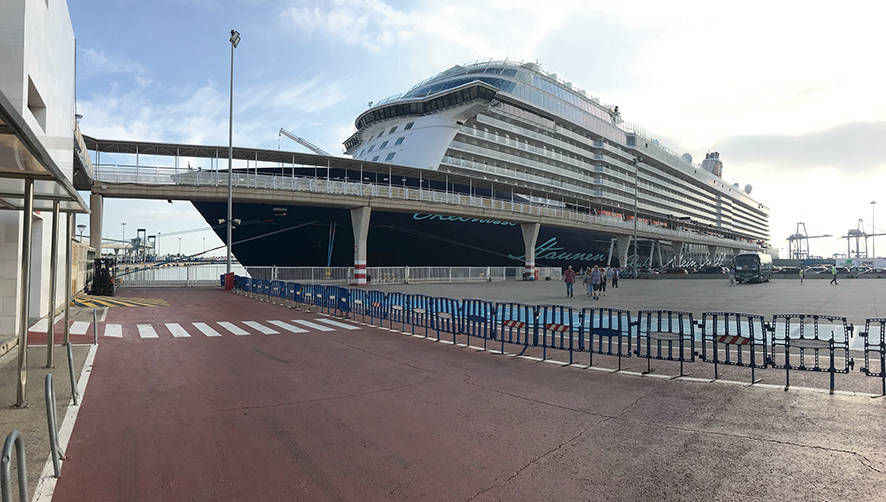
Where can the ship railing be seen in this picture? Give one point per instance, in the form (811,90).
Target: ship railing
(159,175)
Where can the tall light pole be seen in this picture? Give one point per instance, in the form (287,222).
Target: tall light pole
(873,231)
(636,182)
(123,225)
(235,40)
(179,246)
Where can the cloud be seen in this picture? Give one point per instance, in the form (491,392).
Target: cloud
(855,148)
(95,62)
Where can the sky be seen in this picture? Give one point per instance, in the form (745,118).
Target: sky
(790,93)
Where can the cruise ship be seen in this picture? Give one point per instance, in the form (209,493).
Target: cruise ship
(517,124)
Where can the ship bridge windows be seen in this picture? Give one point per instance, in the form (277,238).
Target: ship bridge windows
(393,129)
(384,144)
(400,140)
(371,148)
(408,126)
(390,156)
(375,159)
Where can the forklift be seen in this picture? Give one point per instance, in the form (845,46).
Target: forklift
(104,277)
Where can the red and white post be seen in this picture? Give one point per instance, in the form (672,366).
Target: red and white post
(360,225)
(530,236)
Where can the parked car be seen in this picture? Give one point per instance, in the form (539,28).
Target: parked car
(675,271)
(713,270)
(788,271)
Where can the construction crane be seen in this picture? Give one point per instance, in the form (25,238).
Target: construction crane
(307,144)
(860,236)
(798,243)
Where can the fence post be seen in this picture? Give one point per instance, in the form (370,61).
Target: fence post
(94,328)
(406,275)
(74,392)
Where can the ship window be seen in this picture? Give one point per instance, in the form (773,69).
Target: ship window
(375,159)
(390,156)
(384,144)
(371,148)
(361,152)
(400,140)
(392,130)
(408,126)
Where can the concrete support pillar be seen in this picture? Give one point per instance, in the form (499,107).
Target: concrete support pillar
(53,281)
(678,253)
(360,225)
(530,237)
(96,203)
(651,252)
(712,253)
(660,259)
(623,242)
(611,248)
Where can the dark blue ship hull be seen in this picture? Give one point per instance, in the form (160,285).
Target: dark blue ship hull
(319,236)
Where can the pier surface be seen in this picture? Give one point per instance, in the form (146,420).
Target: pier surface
(180,406)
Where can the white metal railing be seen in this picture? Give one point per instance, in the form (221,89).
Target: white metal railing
(394,275)
(159,175)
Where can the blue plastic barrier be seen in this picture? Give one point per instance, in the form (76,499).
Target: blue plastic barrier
(255,286)
(290,290)
(514,324)
(476,319)
(557,326)
(274,289)
(397,305)
(796,335)
(874,335)
(221,280)
(605,331)
(446,315)
(665,335)
(343,306)
(740,337)
(377,306)
(421,313)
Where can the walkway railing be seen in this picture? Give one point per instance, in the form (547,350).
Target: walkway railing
(155,175)
(396,275)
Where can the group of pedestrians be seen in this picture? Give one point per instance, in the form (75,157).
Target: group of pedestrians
(594,278)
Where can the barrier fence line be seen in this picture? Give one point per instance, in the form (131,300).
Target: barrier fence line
(49,398)
(14,439)
(792,342)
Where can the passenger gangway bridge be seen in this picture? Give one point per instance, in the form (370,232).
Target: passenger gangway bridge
(301,179)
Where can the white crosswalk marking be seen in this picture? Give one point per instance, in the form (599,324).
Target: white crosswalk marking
(40,326)
(261,328)
(114,330)
(79,327)
(177,330)
(206,329)
(288,327)
(311,325)
(233,328)
(338,324)
(147,331)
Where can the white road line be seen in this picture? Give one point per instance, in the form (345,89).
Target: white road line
(79,327)
(311,325)
(206,329)
(147,331)
(177,330)
(339,324)
(114,330)
(233,328)
(261,328)
(288,327)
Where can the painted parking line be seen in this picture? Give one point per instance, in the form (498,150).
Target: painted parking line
(206,329)
(177,330)
(338,324)
(147,331)
(79,327)
(114,330)
(311,325)
(233,328)
(261,328)
(288,327)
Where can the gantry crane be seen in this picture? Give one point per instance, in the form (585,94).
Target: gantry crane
(798,243)
(312,147)
(860,237)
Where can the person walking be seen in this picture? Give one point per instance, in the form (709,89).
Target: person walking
(587,280)
(801,276)
(569,279)
(603,272)
(614,272)
(596,281)
(834,275)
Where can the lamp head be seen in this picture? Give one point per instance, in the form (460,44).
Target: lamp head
(235,38)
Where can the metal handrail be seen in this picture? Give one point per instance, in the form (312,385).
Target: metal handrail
(49,398)
(14,438)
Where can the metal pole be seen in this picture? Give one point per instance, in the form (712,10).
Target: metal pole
(24,294)
(636,183)
(230,156)
(69,263)
(53,284)
(873,231)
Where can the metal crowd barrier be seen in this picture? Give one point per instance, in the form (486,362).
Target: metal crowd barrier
(796,335)
(607,331)
(874,335)
(14,439)
(665,335)
(740,337)
(790,342)
(49,398)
